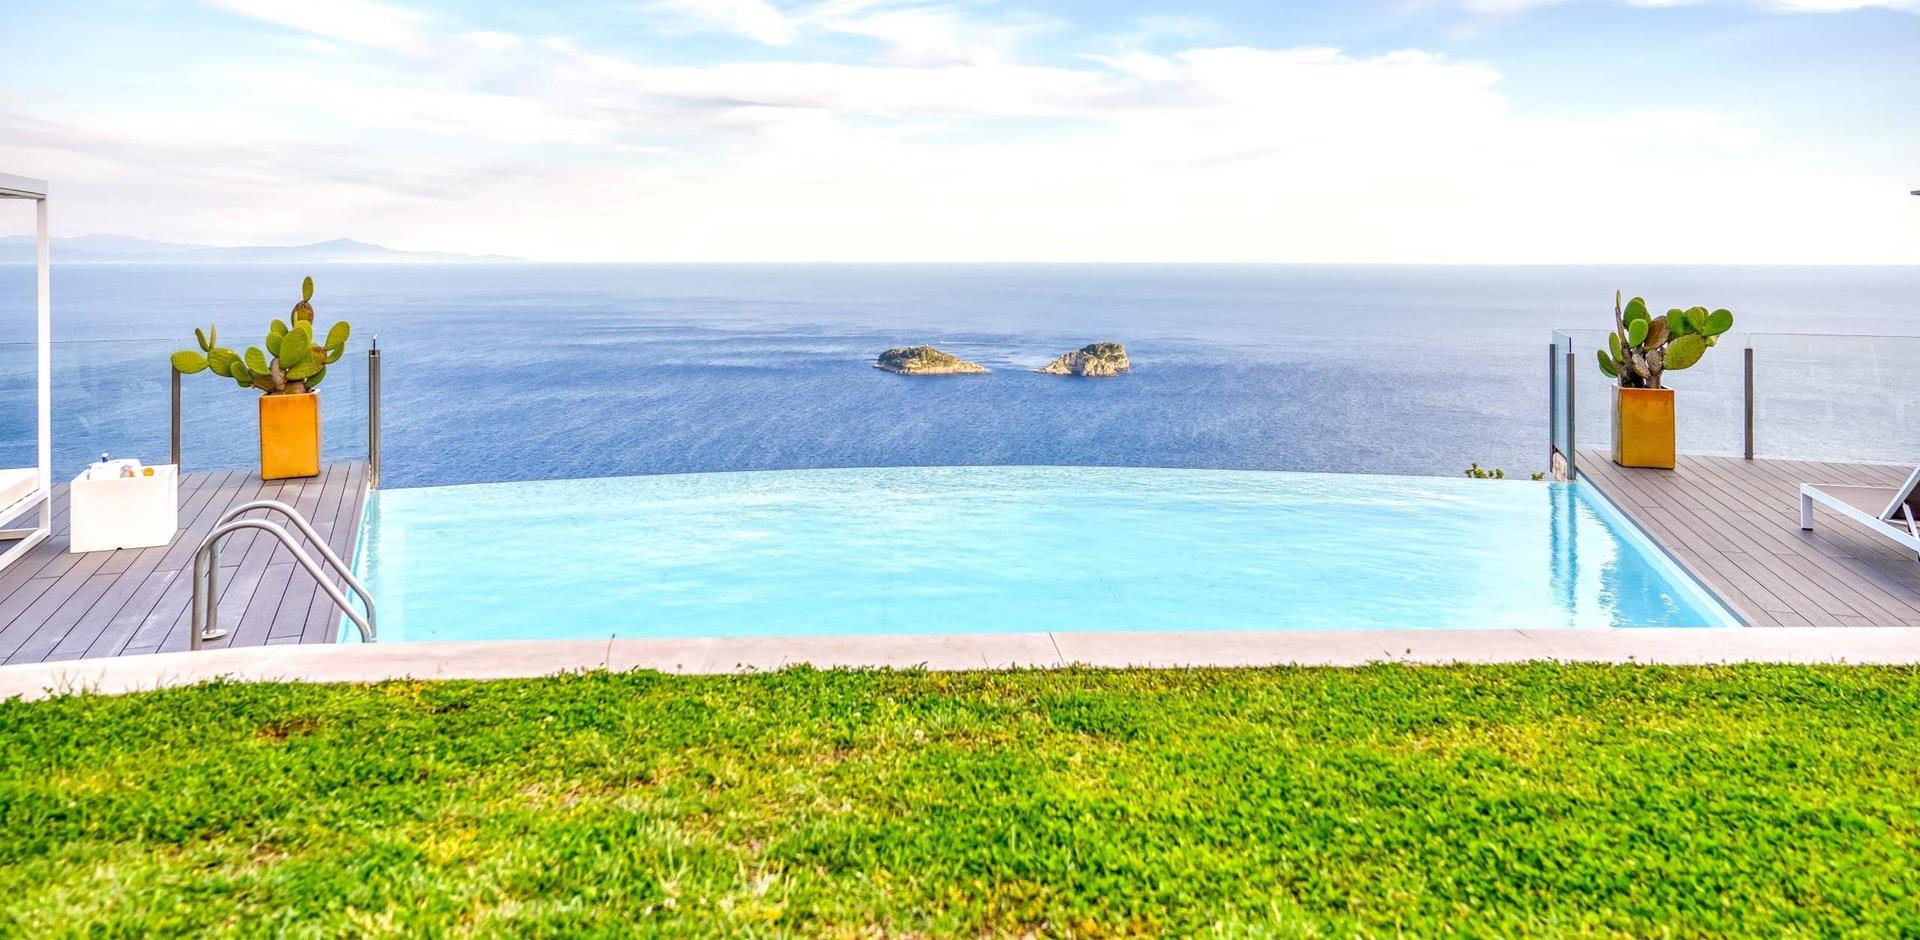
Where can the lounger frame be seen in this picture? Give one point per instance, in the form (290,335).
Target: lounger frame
(1897,522)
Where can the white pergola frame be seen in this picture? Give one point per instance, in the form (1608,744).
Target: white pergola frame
(24,539)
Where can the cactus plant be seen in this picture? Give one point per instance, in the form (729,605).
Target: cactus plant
(293,361)
(1642,347)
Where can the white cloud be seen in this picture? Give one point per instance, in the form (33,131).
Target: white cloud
(486,142)
(1843,6)
(492,41)
(915,32)
(1502,7)
(1498,7)
(361,22)
(936,36)
(758,20)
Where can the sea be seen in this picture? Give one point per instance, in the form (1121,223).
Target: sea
(495,372)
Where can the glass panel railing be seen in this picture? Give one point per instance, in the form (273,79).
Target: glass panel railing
(1710,402)
(1836,397)
(220,420)
(108,397)
(1592,401)
(116,397)
(17,405)
(1561,416)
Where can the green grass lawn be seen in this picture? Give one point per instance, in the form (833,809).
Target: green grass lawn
(1492,801)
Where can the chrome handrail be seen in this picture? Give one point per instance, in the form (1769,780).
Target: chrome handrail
(206,570)
(326,551)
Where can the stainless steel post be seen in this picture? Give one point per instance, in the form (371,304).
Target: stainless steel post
(1553,405)
(373,414)
(206,598)
(175,439)
(1573,441)
(1749,398)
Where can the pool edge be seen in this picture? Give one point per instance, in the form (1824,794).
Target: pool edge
(527,659)
(1675,567)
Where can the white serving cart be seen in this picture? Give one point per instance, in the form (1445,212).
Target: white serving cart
(31,488)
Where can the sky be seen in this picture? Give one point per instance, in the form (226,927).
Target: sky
(1422,131)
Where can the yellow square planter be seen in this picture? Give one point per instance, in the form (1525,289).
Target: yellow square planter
(289,436)
(1643,427)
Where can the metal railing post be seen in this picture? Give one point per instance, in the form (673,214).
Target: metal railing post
(1573,442)
(206,597)
(1749,400)
(1553,404)
(175,438)
(373,414)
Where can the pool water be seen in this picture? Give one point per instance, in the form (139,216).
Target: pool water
(1008,549)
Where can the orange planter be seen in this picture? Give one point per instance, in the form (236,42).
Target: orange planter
(289,436)
(1643,427)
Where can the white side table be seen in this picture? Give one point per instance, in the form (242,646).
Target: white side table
(124,512)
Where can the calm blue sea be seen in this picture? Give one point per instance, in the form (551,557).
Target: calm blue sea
(514,372)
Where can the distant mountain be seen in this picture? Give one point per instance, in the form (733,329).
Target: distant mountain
(126,249)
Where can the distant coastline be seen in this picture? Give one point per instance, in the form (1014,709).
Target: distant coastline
(126,249)
(612,370)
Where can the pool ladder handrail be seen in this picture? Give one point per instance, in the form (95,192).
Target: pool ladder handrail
(206,569)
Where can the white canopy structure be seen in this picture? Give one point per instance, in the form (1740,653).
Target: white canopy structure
(30,488)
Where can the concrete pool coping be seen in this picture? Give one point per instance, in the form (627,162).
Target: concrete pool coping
(952,652)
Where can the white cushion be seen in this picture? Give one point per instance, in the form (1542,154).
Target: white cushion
(16,485)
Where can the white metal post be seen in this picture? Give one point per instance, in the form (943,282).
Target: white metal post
(44,258)
(24,539)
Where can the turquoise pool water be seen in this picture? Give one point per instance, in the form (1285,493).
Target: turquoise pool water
(1003,549)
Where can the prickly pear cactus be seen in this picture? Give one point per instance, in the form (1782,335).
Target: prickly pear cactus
(1642,347)
(292,362)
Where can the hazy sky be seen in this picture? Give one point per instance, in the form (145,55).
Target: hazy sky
(1211,130)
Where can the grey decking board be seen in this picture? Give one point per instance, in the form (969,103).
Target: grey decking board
(1836,537)
(15,635)
(295,584)
(1748,600)
(29,566)
(1809,554)
(112,639)
(1759,558)
(1717,564)
(251,627)
(65,619)
(305,602)
(321,624)
(19,601)
(254,550)
(307,503)
(293,616)
(1734,524)
(145,574)
(144,615)
(172,608)
(58,605)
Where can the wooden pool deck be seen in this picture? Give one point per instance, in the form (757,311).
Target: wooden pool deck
(1735,526)
(57,606)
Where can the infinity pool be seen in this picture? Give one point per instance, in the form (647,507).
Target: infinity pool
(1005,549)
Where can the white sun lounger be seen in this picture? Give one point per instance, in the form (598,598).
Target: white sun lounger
(1891,512)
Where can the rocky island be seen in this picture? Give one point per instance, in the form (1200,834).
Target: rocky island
(1093,359)
(925,360)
